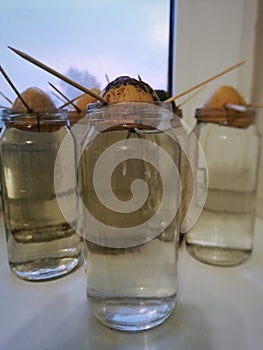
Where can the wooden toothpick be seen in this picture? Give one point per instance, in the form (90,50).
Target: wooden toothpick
(256,105)
(57,96)
(6,98)
(190,97)
(15,89)
(70,101)
(234,107)
(205,82)
(65,97)
(57,74)
(107,78)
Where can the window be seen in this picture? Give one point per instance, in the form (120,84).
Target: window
(89,40)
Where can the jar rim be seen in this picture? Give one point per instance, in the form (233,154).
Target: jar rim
(228,117)
(41,121)
(129,110)
(8,115)
(128,115)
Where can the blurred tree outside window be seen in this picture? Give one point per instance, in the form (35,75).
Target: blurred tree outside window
(87,40)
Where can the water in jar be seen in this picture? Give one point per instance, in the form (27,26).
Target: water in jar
(41,244)
(223,234)
(131,288)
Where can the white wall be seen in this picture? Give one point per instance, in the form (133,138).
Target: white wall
(257,97)
(211,36)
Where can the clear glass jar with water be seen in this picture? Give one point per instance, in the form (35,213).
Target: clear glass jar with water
(41,244)
(223,234)
(130,187)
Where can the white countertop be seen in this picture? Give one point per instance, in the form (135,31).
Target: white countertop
(219,308)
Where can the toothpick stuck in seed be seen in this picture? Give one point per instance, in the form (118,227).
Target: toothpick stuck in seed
(190,97)
(107,78)
(65,97)
(6,98)
(234,107)
(57,74)
(15,89)
(205,81)
(256,105)
(58,97)
(70,101)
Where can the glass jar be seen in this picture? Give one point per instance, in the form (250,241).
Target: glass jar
(223,234)
(41,244)
(130,187)
(75,116)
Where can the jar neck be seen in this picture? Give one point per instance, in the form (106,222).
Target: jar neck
(129,115)
(226,117)
(43,121)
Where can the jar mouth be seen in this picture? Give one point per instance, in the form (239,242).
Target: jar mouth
(130,110)
(129,106)
(129,115)
(92,107)
(14,116)
(241,118)
(40,121)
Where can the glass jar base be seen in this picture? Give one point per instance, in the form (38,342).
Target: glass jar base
(217,255)
(132,314)
(45,269)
